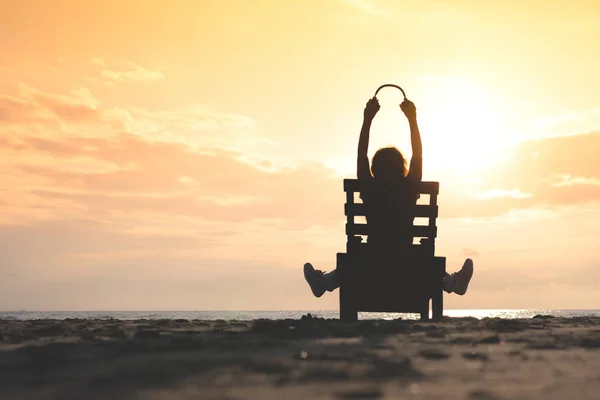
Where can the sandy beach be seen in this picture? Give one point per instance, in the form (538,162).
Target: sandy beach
(310,358)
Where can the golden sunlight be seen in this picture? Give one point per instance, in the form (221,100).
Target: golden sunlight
(463,132)
(191,155)
(461,128)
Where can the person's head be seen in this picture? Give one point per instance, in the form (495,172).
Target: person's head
(388,163)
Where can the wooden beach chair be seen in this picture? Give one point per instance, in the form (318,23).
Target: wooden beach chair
(391,289)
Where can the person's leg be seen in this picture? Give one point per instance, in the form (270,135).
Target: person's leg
(458,282)
(320,281)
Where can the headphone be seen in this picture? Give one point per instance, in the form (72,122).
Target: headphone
(390,85)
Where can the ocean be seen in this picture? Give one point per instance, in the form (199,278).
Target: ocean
(252,315)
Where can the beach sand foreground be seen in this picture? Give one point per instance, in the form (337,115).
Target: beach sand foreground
(310,358)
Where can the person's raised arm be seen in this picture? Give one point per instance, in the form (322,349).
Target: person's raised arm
(363,170)
(416,163)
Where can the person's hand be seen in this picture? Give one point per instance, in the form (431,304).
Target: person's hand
(371,108)
(409,109)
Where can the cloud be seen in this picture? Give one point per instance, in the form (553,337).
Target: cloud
(537,164)
(568,117)
(194,125)
(134,73)
(568,180)
(149,178)
(30,112)
(149,162)
(34,106)
(128,72)
(515,194)
(550,172)
(98,62)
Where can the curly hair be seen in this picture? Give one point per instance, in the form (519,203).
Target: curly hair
(388,159)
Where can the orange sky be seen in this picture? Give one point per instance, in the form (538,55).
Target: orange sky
(190,154)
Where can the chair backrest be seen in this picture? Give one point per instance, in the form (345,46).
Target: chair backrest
(427,233)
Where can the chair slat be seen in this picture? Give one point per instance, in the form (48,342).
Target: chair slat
(354,185)
(418,230)
(421,211)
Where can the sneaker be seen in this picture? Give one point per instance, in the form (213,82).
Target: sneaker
(463,277)
(315,279)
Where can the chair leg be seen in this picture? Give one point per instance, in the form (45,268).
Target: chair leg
(437,302)
(425,312)
(348,311)
(437,306)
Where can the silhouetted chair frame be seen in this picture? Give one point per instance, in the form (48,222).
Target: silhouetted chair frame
(393,290)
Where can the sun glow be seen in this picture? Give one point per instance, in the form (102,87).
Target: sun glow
(460,127)
(463,132)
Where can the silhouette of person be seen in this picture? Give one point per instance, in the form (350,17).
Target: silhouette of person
(389,193)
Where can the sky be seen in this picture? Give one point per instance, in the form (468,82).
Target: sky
(189,155)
